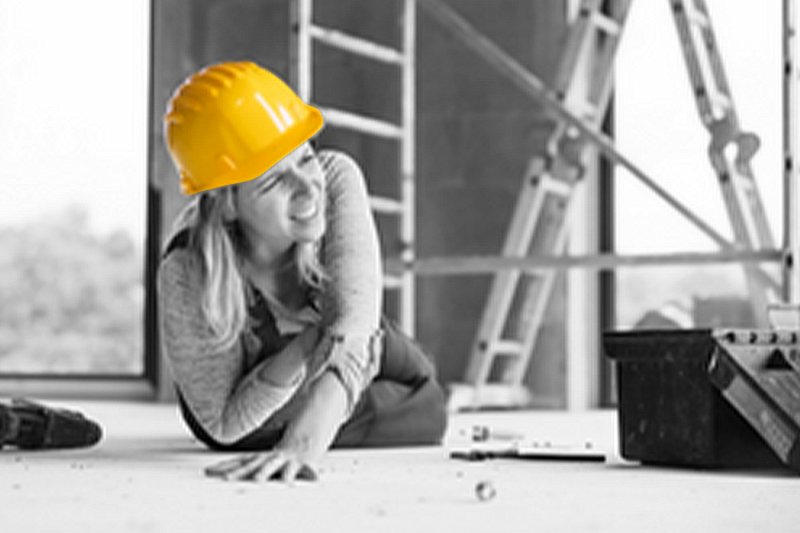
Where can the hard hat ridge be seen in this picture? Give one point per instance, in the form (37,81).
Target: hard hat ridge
(230,122)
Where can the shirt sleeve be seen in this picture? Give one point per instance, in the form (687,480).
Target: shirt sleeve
(225,403)
(353,297)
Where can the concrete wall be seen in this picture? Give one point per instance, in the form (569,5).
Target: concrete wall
(475,134)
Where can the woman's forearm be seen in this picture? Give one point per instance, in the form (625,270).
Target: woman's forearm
(311,433)
(353,299)
(288,366)
(268,386)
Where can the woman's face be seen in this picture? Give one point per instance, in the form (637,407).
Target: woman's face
(286,204)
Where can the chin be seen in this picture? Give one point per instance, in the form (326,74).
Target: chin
(312,232)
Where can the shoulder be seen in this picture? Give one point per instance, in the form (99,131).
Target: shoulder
(342,173)
(339,166)
(337,161)
(180,271)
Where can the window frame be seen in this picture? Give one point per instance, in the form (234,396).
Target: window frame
(147,384)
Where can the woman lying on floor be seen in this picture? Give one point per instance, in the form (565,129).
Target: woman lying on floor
(270,288)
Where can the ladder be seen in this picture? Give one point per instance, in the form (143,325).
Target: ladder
(540,223)
(304,34)
(517,302)
(731,148)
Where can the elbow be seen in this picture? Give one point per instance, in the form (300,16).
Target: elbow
(214,432)
(217,431)
(240,419)
(223,434)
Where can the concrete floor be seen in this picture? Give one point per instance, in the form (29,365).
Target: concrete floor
(146,476)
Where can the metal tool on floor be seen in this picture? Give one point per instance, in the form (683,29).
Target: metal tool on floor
(34,426)
(487,442)
(482,433)
(536,451)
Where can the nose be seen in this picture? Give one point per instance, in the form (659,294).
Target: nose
(304,182)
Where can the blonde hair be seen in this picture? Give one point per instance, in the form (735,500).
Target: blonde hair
(216,237)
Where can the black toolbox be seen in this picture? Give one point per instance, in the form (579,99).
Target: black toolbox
(708,398)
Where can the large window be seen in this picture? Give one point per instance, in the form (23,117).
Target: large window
(658,127)
(73,119)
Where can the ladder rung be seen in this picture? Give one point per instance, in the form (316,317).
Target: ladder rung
(718,104)
(697,18)
(361,123)
(583,109)
(606,24)
(555,186)
(505,347)
(392,282)
(720,100)
(356,45)
(387,206)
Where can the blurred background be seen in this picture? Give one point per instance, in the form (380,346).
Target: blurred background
(73,127)
(88,191)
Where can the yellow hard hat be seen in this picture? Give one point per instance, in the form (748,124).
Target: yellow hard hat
(231,122)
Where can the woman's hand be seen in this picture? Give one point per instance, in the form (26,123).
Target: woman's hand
(276,465)
(305,441)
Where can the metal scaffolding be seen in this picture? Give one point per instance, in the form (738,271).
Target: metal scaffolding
(751,247)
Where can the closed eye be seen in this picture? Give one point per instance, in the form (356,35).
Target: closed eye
(276,178)
(269,184)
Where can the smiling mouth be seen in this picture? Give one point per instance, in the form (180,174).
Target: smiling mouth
(309,212)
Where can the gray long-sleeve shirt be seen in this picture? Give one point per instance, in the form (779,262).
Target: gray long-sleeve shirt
(230,403)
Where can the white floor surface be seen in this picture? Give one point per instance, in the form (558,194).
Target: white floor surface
(146,476)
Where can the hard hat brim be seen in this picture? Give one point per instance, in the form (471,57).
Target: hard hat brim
(259,163)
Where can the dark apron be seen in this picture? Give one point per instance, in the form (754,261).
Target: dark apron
(403,406)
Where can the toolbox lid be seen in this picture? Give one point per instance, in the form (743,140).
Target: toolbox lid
(762,382)
(658,344)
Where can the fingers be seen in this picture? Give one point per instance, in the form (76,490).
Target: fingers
(289,472)
(307,473)
(270,469)
(272,466)
(294,471)
(225,467)
(237,468)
